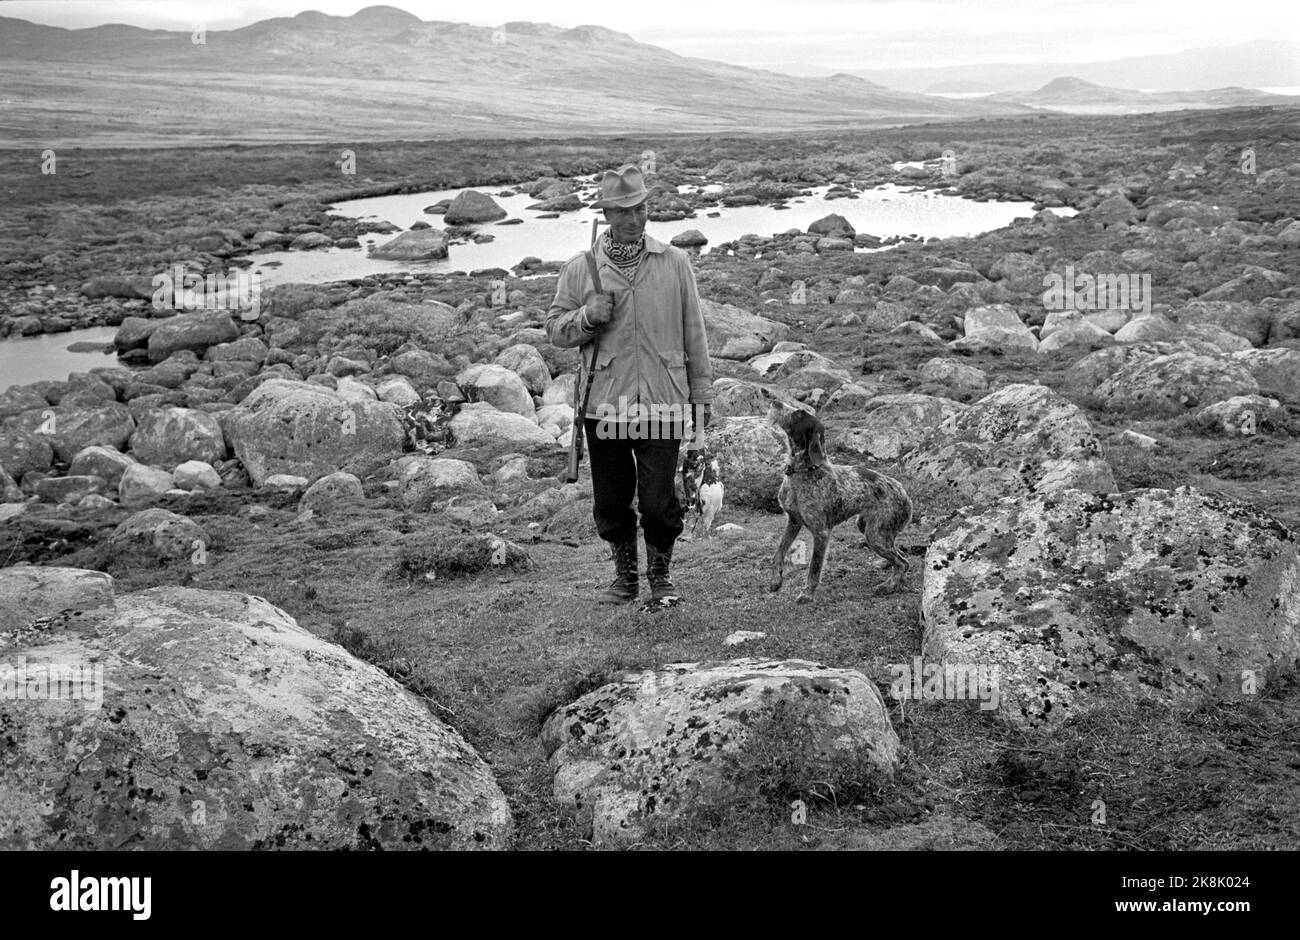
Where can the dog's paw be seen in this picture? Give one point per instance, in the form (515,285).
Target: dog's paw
(885,588)
(804,598)
(774,586)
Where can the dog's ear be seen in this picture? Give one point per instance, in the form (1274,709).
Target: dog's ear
(814,445)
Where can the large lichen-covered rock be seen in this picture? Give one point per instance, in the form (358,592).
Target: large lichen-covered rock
(34,592)
(1074,596)
(71,429)
(1247,320)
(1276,370)
(499,386)
(1021,439)
(751,455)
(418,245)
(308,430)
(225,725)
(734,333)
(1174,384)
(165,437)
(662,743)
(423,481)
(479,423)
(894,424)
(160,535)
(192,331)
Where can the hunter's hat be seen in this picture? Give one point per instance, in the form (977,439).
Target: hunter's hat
(622,188)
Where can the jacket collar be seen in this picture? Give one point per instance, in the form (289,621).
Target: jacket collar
(652,246)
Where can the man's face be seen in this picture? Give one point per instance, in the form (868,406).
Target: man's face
(626,225)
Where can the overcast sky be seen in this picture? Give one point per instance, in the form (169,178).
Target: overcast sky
(798,36)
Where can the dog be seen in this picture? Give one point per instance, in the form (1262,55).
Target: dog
(702,489)
(819,495)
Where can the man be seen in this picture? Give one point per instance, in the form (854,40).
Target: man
(652,368)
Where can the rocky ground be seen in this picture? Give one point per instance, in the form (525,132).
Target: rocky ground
(1103,506)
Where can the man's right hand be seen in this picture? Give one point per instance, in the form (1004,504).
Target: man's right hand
(600,310)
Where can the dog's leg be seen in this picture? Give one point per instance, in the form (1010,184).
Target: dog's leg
(710,510)
(881,528)
(821,548)
(792,526)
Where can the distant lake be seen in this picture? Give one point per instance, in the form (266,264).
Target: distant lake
(25,359)
(889,210)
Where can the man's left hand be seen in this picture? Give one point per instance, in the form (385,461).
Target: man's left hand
(701,418)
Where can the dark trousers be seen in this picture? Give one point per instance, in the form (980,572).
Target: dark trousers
(623,466)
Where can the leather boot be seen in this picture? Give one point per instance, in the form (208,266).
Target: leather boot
(657,564)
(626,584)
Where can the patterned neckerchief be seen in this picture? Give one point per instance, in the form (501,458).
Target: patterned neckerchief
(624,255)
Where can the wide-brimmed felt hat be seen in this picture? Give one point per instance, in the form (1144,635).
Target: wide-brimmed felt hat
(622,188)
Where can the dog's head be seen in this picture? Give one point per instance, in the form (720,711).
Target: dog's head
(806,433)
(694,465)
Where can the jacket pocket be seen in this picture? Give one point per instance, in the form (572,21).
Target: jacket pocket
(675,365)
(602,384)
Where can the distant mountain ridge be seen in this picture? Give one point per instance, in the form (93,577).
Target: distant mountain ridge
(385,73)
(1260,64)
(1073,93)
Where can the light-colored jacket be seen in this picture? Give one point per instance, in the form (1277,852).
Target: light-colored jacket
(654,350)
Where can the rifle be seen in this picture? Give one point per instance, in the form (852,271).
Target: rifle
(582,390)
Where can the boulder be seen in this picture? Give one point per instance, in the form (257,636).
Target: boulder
(397,390)
(954,374)
(71,430)
(192,331)
(559,391)
(1246,320)
(1201,214)
(691,238)
(160,535)
(996,327)
(894,424)
(134,333)
(480,423)
(1242,416)
(141,484)
(1019,440)
(23,451)
(165,437)
(734,333)
(242,731)
(78,598)
(1151,328)
(1148,594)
(423,481)
(834,226)
(308,430)
(471,207)
(1276,370)
(426,244)
(193,475)
(125,286)
(752,456)
(499,387)
(1170,385)
(527,363)
(332,491)
(665,743)
(67,489)
(106,462)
